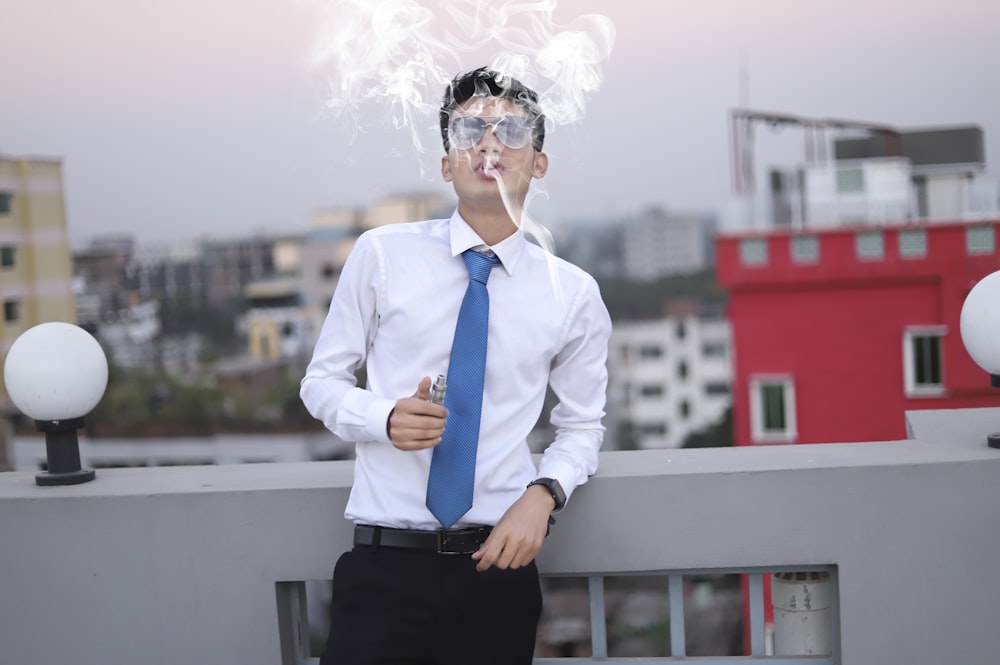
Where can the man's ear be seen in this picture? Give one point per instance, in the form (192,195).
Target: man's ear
(540,166)
(446,168)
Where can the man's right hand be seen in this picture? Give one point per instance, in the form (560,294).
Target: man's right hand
(415,422)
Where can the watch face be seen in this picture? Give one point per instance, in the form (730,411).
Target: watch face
(555,489)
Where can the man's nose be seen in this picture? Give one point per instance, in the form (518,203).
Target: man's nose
(488,141)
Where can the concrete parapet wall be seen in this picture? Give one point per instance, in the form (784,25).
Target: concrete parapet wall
(178,565)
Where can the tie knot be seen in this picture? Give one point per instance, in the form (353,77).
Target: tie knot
(479,265)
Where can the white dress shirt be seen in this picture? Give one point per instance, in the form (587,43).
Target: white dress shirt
(394,311)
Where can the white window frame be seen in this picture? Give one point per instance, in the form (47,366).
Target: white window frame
(758,433)
(910,386)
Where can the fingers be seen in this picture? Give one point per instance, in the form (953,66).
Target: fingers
(518,536)
(508,548)
(506,551)
(423,389)
(416,423)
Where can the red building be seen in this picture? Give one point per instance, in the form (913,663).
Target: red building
(838,332)
(844,300)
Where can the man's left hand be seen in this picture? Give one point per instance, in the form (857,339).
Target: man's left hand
(518,536)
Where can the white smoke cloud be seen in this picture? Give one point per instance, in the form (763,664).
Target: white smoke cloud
(392,59)
(402,54)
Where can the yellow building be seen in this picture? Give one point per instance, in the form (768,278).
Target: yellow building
(36,268)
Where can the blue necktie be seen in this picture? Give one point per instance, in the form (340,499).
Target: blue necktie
(453,465)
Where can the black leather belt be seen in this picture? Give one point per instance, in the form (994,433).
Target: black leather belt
(442,541)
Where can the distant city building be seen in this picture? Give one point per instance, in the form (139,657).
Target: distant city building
(131,335)
(233,263)
(855,300)
(668,378)
(332,234)
(875,176)
(656,244)
(36,277)
(325,248)
(276,324)
(101,272)
(412,207)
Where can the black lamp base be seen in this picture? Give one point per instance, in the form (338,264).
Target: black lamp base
(63,452)
(66,478)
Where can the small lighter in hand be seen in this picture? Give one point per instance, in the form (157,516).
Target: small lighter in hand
(437,390)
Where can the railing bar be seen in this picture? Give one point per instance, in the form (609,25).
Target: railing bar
(598,625)
(293,622)
(678,636)
(749,570)
(700,660)
(756,583)
(834,616)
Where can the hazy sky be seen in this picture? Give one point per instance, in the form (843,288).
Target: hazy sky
(204,118)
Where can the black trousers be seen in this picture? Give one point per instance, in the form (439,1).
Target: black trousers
(403,607)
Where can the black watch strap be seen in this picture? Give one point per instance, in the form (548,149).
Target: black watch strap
(555,489)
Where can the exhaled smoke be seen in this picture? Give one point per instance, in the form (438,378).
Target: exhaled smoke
(402,53)
(397,56)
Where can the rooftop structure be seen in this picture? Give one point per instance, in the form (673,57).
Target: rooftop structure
(859,173)
(845,288)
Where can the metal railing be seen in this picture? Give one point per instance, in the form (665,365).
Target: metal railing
(295,633)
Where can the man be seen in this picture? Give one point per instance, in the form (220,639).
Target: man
(424,585)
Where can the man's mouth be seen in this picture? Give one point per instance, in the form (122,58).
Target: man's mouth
(490,168)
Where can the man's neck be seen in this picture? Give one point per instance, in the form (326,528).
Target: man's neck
(492,224)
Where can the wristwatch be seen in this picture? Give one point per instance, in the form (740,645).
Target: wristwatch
(555,489)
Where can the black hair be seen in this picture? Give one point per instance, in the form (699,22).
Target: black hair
(485,82)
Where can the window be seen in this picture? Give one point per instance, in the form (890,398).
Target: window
(713,350)
(922,366)
(772,409)
(11,310)
(682,370)
(979,240)
(8,256)
(850,181)
(717,388)
(650,351)
(653,429)
(753,252)
(913,244)
(328,271)
(805,249)
(651,390)
(869,245)
(684,408)
(6,202)
(681,330)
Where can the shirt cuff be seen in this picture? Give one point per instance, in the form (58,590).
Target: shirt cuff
(564,473)
(377,419)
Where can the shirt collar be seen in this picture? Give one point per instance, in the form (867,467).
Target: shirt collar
(463,237)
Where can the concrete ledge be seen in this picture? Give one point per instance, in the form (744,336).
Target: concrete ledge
(179,564)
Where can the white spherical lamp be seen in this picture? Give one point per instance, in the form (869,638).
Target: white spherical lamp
(56,373)
(980,326)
